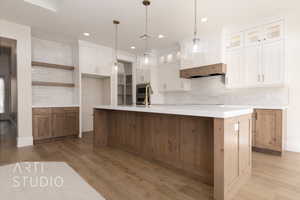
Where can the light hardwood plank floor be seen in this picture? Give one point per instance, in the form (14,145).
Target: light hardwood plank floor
(118,175)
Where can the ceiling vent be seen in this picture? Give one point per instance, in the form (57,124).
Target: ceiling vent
(51,5)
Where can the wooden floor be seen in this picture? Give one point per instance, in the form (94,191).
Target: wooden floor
(7,134)
(121,176)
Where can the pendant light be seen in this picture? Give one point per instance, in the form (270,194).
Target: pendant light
(116,24)
(146,36)
(196,39)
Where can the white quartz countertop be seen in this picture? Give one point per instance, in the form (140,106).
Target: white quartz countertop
(215,111)
(54,106)
(271,107)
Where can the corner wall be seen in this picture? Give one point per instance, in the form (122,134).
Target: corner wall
(293,64)
(23,36)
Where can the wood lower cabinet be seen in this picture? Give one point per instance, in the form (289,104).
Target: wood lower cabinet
(49,123)
(196,147)
(42,128)
(58,124)
(180,142)
(71,123)
(269,131)
(123,131)
(215,151)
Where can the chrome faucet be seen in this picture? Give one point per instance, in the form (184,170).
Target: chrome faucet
(148,91)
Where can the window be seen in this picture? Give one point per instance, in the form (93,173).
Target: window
(2,95)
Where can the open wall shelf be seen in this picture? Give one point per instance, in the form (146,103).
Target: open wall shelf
(54,66)
(52,84)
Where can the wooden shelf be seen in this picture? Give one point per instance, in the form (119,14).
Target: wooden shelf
(54,66)
(52,84)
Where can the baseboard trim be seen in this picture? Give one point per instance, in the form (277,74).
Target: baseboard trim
(24,141)
(87,132)
(267,151)
(293,147)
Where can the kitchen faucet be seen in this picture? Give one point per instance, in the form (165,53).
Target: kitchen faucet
(148,91)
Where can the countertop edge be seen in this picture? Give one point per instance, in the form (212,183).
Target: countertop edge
(63,106)
(211,114)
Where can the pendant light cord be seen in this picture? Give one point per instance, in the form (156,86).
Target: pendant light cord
(116,42)
(196,19)
(146,30)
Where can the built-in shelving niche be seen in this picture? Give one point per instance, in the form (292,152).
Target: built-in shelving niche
(53,66)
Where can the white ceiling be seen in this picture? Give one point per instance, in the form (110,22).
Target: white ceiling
(173,18)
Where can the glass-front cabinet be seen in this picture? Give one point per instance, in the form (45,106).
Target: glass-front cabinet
(125,95)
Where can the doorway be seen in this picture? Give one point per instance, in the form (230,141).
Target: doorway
(95,91)
(8,93)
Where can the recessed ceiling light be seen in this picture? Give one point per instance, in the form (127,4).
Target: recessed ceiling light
(133,47)
(204,19)
(86,34)
(160,36)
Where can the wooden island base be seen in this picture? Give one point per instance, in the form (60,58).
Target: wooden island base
(214,150)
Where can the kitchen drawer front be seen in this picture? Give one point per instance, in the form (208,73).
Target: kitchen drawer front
(41,111)
(65,109)
(71,109)
(57,110)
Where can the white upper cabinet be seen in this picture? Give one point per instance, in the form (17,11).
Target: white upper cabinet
(272,63)
(169,73)
(273,32)
(259,61)
(235,41)
(234,76)
(95,59)
(253,37)
(252,65)
(143,75)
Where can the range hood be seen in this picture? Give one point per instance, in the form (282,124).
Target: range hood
(204,71)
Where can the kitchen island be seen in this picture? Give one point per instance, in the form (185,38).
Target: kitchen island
(209,143)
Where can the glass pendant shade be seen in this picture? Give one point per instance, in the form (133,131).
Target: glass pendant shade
(146,59)
(196,45)
(115,62)
(146,36)
(196,40)
(115,66)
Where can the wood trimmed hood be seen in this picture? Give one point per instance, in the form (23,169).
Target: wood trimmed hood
(204,71)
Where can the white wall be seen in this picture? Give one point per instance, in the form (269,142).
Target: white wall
(55,53)
(23,36)
(94,91)
(293,63)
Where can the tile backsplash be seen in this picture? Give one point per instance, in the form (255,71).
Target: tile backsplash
(52,75)
(52,96)
(211,90)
